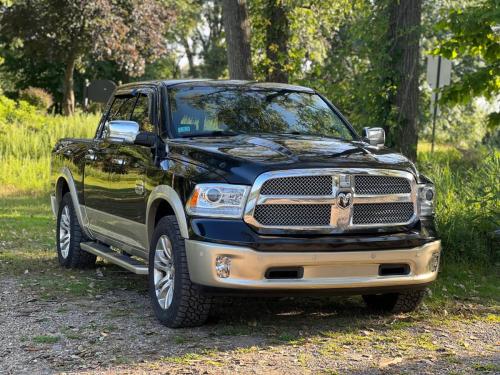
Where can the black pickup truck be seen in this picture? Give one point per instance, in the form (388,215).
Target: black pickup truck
(234,187)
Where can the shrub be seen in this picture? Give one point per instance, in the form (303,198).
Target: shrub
(39,98)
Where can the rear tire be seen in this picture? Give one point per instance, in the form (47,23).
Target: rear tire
(68,238)
(402,302)
(176,301)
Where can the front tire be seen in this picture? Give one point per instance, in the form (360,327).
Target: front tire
(176,301)
(402,302)
(68,238)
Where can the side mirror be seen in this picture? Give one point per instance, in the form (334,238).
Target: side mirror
(121,130)
(375,136)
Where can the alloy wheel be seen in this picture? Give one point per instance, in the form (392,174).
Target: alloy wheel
(65,232)
(164,272)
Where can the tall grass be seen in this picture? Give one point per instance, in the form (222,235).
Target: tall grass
(468,200)
(26,141)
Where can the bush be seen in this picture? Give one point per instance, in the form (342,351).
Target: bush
(39,98)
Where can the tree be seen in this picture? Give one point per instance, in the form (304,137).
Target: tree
(404,50)
(473,33)
(66,32)
(213,48)
(277,38)
(237,30)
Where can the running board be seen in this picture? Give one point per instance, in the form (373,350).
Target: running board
(111,256)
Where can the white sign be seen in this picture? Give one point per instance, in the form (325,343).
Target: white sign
(438,75)
(438,71)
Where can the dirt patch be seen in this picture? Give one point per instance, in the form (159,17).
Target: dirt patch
(113,331)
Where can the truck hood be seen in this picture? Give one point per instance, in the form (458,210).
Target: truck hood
(240,159)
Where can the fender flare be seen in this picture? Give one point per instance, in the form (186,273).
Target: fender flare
(168,194)
(81,214)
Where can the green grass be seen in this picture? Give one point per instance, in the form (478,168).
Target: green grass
(46,339)
(468,201)
(26,141)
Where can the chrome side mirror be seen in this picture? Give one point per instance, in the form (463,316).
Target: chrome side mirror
(121,130)
(375,136)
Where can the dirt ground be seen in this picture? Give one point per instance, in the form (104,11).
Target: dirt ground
(115,332)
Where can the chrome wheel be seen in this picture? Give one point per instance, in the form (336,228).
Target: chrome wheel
(164,272)
(65,232)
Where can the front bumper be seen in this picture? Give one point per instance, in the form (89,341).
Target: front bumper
(321,270)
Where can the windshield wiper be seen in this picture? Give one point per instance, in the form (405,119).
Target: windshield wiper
(212,133)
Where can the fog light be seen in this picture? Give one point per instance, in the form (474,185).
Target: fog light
(223,266)
(434,262)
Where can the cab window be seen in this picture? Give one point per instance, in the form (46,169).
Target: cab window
(141,113)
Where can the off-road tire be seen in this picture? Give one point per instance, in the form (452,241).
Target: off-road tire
(76,258)
(189,307)
(402,302)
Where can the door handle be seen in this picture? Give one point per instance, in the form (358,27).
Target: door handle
(139,188)
(90,155)
(119,162)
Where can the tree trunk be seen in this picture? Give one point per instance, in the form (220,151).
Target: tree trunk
(190,57)
(69,93)
(237,28)
(277,36)
(404,34)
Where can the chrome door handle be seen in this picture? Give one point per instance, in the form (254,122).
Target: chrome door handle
(90,155)
(119,162)
(139,188)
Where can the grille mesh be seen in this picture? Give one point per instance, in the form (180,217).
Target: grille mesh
(293,214)
(299,185)
(376,185)
(382,213)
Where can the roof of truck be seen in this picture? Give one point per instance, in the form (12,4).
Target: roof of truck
(218,83)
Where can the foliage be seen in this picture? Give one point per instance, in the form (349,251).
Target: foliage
(468,200)
(26,140)
(67,33)
(473,32)
(37,97)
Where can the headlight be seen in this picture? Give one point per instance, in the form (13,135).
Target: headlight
(426,198)
(218,200)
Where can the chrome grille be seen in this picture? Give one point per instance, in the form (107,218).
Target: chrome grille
(382,213)
(379,185)
(331,200)
(300,185)
(293,214)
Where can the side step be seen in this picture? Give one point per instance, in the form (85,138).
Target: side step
(111,256)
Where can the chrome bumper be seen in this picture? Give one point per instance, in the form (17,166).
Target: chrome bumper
(325,270)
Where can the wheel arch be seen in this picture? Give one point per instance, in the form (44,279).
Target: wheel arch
(163,201)
(65,183)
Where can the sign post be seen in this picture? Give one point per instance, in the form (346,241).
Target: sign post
(438,75)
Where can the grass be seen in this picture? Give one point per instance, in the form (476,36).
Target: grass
(46,339)
(26,141)
(468,201)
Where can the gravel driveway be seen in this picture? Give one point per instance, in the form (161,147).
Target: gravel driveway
(113,331)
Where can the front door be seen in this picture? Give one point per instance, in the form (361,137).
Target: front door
(129,184)
(100,162)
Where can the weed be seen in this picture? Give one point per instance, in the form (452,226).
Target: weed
(46,339)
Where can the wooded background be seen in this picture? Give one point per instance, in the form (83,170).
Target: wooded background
(366,56)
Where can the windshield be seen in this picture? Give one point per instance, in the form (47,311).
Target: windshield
(214,111)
